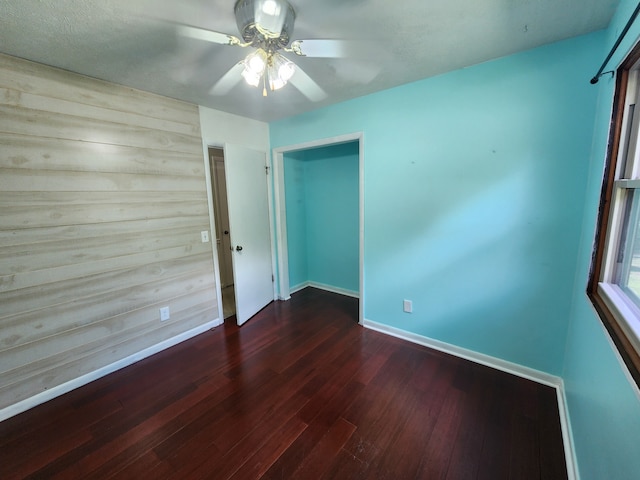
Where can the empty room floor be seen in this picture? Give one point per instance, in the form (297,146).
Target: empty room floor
(299,392)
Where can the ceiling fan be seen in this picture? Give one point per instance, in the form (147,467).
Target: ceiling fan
(266,26)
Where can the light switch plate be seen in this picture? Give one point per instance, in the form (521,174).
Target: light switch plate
(205,236)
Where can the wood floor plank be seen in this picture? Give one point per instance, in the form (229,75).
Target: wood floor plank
(322,422)
(16,463)
(550,436)
(437,453)
(315,463)
(236,452)
(467,447)
(261,461)
(376,441)
(414,426)
(122,437)
(146,466)
(300,391)
(345,465)
(207,414)
(493,462)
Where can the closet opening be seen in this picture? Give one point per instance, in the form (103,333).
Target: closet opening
(319,217)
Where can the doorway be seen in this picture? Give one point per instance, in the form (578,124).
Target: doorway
(244,233)
(223,239)
(288,245)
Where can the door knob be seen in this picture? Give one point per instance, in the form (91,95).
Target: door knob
(226,232)
(238,248)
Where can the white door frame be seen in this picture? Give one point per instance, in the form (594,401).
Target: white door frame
(280,213)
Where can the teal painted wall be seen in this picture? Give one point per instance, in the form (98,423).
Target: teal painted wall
(463,176)
(321,195)
(604,409)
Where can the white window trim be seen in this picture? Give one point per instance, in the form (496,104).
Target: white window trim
(617,305)
(624,309)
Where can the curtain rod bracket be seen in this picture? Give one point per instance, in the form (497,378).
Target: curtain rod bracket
(595,79)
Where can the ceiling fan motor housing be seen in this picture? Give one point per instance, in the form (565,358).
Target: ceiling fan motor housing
(266,23)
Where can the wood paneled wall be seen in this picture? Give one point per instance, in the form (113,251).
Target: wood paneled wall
(102,200)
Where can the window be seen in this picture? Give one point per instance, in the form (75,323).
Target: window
(614,285)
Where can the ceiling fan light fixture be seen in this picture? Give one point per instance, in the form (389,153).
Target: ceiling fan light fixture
(285,68)
(276,83)
(251,78)
(254,67)
(279,71)
(266,26)
(271,7)
(270,17)
(262,20)
(256,62)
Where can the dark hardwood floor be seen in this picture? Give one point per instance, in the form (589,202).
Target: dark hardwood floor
(299,392)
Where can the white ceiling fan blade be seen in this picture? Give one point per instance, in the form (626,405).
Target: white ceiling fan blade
(228,80)
(355,71)
(320,48)
(307,86)
(207,35)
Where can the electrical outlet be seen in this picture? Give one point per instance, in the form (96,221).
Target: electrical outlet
(205,236)
(407,306)
(164,314)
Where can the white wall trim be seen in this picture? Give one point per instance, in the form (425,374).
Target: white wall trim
(567,434)
(297,288)
(59,390)
(280,217)
(326,288)
(502,365)
(272,222)
(497,363)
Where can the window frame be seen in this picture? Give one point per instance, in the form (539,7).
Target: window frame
(614,307)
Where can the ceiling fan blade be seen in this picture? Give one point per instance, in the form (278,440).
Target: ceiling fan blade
(207,35)
(319,48)
(228,80)
(355,71)
(307,86)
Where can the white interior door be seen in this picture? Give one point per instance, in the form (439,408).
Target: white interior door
(249,227)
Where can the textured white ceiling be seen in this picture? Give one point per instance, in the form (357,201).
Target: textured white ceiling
(134,42)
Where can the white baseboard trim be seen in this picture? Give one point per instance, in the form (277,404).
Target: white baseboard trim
(297,288)
(325,287)
(481,358)
(66,387)
(502,365)
(567,435)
